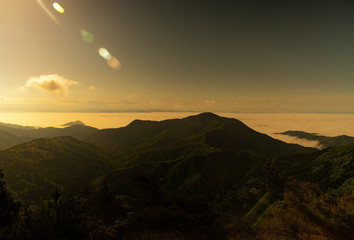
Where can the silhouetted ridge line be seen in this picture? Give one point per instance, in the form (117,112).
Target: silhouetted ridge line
(11,136)
(206,128)
(69,124)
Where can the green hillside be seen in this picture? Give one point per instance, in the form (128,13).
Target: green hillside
(335,167)
(201,177)
(34,169)
(330,168)
(207,171)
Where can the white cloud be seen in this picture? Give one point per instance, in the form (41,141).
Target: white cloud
(51,83)
(92,88)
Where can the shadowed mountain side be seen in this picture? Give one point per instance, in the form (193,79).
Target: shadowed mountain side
(19,132)
(335,167)
(205,172)
(206,128)
(6,125)
(76,131)
(8,140)
(11,136)
(330,168)
(242,180)
(324,141)
(34,169)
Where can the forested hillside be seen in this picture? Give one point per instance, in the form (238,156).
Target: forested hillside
(33,170)
(201,177)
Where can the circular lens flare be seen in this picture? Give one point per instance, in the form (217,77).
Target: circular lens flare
(114,63)
(87,36)
(104,53)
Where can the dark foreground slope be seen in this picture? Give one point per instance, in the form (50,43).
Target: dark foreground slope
(301,196)
(34,169)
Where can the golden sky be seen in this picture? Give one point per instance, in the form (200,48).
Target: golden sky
(137,55)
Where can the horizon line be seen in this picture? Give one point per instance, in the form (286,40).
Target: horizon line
(172,111)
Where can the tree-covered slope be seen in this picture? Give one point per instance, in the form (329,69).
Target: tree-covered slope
(335,167)
(199,177)
(331,168)
(205,128)
(34,169)
(204,172)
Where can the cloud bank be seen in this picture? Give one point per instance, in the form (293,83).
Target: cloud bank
(51,83)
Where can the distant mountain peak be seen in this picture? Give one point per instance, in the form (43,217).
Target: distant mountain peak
(208,115)
(69,124)
(324,141)
(139,122)
(206,128)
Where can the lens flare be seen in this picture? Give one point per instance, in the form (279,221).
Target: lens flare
(87,36)
(104,53)
(114,63)
(57,7)
(40,2)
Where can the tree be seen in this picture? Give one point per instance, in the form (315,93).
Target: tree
(271,179)
(8,206)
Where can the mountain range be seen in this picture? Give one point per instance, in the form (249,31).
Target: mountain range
(206,129)
(11,135)
(242,173)
(197,152)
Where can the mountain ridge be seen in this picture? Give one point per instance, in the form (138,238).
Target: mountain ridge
(324,141)
(11,136)
(208,128)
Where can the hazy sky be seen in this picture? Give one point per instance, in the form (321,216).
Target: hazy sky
(246,56)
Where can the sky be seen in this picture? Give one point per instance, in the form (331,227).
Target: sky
(158,55)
